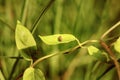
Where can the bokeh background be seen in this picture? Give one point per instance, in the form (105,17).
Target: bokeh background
(85,19)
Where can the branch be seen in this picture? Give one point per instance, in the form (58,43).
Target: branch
(112,56)
(63,52)
(109,30)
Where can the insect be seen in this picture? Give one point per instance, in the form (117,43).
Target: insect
(60,38)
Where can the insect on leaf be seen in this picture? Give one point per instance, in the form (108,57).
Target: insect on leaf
(33,74)
(57,39)
(117,45)
(23,37)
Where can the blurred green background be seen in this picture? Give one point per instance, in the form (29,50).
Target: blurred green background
(85,19)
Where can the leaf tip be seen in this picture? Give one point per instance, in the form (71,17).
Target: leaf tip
(18,22)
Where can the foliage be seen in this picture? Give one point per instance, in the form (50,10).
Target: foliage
(117,45)
(33,74)
(23,37)
(85,27)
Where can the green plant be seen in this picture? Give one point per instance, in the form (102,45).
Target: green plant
(30,64)
(25,40)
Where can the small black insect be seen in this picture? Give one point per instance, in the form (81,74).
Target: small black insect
(60,38)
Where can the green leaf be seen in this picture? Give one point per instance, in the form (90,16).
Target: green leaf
(92,50)
(23,37)
(29,74)
(33,74)
(117,45)
(39,75)
(98,54)
(57,39)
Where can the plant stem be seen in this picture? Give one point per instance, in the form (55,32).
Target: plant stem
(106,47)
(51,55)
(18,78)
(39,18)
(73,64)
(43,58)
(112,56)
(89,41)
(109,30)
(63,52)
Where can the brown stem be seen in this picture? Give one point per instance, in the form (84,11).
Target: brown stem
(112,56)
(19,77)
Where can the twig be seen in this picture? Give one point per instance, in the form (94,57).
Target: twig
(19,76)
(63,52)
(73,64)
(43,58)
(54,54)
(106,47)
(89,41)
(109,30)
(112,56)
(37,20)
